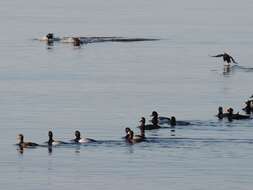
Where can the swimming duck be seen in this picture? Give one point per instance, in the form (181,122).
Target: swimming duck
(49,38)
(76,42)
(220,114)
(167,120)
(127,130)
(51,141)
(23,144)
(163,120)
(173,121)
(142,128)
(154,122)
(130,137)
(236,116)
(134,138)
(226,58)
(230,114)
(249,105)
(78,138)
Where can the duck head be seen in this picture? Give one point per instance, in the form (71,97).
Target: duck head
(173,121)
(20,138)
(50,36)
(143,121)
(154,114)
(78,135)
(230,111)
(127,130)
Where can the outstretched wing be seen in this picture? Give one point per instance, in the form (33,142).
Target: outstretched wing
(233,59)
(219,55)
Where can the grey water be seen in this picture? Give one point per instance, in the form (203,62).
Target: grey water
(101,88)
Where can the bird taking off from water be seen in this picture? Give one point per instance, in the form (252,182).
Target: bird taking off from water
(226,58)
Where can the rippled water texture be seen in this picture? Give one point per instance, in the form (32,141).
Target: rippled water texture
(101,88)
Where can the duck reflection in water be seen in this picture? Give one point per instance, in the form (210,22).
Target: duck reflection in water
(20,149)
(50,150)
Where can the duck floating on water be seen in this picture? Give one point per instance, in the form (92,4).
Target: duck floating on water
(50,38)
(131,138)
(154,122)
(236,116)
(52,142)
(135,138)
(77,42)
(173,121)
(167,120)
(249,105)
(127,130)
(80,140)
(220,114)
(23,144)
(230,114)
(142,128)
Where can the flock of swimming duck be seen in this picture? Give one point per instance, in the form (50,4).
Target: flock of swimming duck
(51,142)
(130,137)
(156,121)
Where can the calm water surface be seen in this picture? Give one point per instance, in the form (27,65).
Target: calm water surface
(102,88)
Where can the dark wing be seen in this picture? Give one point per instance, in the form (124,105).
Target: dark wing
(233,59)
(219,55)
